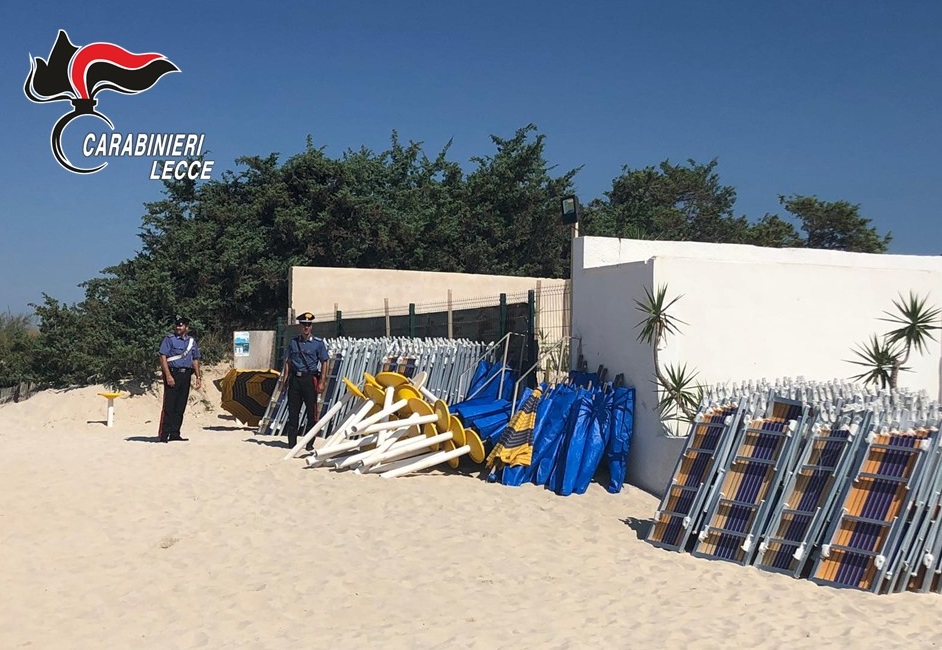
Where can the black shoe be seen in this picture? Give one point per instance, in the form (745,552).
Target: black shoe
(309,447)
(179,439)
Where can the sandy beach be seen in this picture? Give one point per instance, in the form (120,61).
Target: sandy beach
(109,540)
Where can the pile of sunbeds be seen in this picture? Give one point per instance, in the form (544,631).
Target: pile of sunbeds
(829,482)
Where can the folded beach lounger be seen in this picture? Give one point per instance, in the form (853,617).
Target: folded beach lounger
(752,478)
(873,511)
(799,517)
(697,468)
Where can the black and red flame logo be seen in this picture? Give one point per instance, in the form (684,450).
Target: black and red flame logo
(78,74)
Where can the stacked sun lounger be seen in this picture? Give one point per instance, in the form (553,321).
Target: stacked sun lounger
(831,482)
(694,477)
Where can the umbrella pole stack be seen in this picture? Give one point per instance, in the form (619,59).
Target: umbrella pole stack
(396,427)
(835,482)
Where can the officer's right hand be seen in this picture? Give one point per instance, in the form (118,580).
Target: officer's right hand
(171,381)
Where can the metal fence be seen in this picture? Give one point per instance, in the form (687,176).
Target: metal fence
(17,393)
(539,319)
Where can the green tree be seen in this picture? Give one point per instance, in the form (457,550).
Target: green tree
(17,347)
(835,225)
(669,202)
(512,211)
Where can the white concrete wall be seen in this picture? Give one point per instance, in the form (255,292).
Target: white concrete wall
(751,313)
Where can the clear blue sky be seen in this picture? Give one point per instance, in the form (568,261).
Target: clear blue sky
(837,99)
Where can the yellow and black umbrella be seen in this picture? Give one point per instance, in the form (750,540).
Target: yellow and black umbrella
(246,393)
(515,446)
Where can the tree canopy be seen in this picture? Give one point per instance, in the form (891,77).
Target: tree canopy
(220,250)
(688,203)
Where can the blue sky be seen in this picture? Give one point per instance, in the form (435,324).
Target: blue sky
(837,99)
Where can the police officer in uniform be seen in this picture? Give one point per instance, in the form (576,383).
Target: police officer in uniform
(179,361)
(304,359)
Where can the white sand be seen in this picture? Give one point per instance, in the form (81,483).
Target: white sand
(108,541)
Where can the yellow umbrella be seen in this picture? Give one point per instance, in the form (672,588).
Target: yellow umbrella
(515,446)
(246,393)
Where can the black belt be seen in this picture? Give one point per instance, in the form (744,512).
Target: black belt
(180,371)
(307,374)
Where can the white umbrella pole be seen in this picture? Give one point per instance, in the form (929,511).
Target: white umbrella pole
(341,433)
(376,417)
(382,445)
(323,455)
(395,424)
(402,462)
(321,423)
(401,450)
(427,461)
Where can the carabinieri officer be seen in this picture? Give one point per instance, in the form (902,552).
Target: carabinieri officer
(179,360)
(304,359)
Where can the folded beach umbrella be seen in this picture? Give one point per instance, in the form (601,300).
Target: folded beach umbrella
(246,393)
(596,439)
(515,446)
(620,428)
(569,458)
(517,475)
(549,433)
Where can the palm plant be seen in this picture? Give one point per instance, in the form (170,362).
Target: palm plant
(885,358)
(680,392)
(878,357)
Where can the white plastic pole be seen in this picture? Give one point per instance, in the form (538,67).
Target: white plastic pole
(324,455)
(341,433)
(321,423)
(403,462)
(383,445)
(110,412)
(376,417)
(429,395)
(401,450)
(428,461)
(395,424)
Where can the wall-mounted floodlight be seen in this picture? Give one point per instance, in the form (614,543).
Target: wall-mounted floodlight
(569,209)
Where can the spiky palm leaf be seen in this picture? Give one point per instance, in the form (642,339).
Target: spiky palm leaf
(657,322)
(680,392)
(916,321)
(878,356)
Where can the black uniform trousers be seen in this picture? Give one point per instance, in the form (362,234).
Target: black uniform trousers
(175,397)
(301,389)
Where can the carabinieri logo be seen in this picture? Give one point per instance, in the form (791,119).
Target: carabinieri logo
(78,74)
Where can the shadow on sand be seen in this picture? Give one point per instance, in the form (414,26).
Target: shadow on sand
(640,526)
(281,443)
